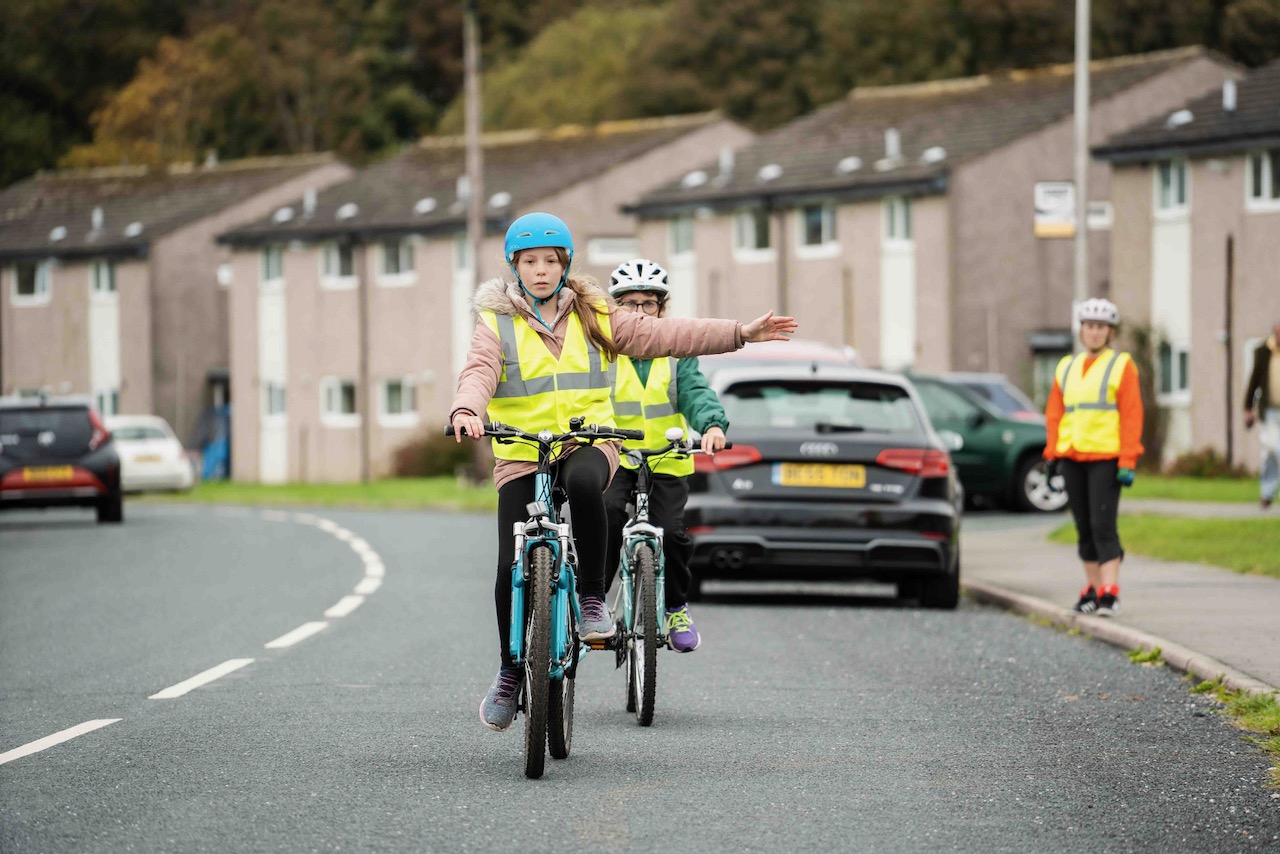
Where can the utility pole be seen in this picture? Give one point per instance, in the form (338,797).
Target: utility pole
(1080,292)
(475,155)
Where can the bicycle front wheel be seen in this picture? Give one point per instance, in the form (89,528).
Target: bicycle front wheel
(642,646)
(537,660)
(560,717)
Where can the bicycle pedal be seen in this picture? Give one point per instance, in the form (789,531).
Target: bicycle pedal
(599,643)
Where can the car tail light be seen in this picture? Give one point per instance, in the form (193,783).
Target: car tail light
(100,431)
(699,529)
(738,455)
(917,461)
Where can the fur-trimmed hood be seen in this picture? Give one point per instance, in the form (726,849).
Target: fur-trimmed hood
(505,297)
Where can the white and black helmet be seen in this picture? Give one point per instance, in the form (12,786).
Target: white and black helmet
(1100,310)
(639,274)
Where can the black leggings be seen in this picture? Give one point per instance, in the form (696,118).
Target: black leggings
(1093,493)
(583,475)
(667,499)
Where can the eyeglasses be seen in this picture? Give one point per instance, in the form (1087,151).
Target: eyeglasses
(648,306)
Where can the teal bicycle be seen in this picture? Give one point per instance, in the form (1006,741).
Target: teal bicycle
(544,597)
(637,605)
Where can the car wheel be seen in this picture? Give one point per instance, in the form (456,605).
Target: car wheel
(1035,493)
(111,508)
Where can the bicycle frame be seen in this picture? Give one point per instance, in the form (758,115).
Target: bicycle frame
(636,531)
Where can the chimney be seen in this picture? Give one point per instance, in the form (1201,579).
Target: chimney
(464,188)
(726,162)
(309,202)
(1229,96)
(892,144)
(96,219)
(211,158)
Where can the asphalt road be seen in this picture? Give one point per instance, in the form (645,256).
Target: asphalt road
(806,722)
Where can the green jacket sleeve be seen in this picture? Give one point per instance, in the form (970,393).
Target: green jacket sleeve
(697,402)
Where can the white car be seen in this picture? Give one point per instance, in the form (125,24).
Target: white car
(151,457)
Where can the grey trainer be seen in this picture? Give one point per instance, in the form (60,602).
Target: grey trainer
(596,622)
(498,709)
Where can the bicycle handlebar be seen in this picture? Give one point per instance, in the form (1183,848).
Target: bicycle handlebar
(591,432)
(678,447)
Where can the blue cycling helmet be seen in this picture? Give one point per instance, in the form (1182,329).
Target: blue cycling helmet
(535,230)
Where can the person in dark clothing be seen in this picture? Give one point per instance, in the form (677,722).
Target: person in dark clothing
(1262,406)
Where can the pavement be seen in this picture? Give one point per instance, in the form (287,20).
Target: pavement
(1207,621)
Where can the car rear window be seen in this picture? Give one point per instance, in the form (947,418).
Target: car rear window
(135,432)
(1006,399)
(821,405)
(37,432)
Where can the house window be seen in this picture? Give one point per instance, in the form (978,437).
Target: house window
(338,265)
(817,225)
(681,235)
(272,263)
(897,218)
(273,398)
(338,402)
(607,251)
(103,276)
(398,402)
(1171,185)
(1264,176)
(1174,366)
(31,282)
(752,231)
(107,401)
(397,256)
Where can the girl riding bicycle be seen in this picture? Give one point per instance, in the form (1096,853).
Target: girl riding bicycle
(540,355)
(659,394)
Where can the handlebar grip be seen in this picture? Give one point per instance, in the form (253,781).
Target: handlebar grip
(728,445)
(631,434)
(448,429)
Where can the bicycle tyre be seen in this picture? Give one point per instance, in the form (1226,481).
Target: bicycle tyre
(643,648)
(560,718)
(537,660)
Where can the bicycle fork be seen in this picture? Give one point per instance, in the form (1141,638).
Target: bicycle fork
(529,535)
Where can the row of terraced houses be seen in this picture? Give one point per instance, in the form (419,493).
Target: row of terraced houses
(330,305)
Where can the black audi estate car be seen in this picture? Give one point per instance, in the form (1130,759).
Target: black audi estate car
(835,473)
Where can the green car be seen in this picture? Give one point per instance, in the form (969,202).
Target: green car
(997,455)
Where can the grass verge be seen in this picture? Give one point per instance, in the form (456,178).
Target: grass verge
(1249,546)
(1254,713)
(1222,489)
(438,493)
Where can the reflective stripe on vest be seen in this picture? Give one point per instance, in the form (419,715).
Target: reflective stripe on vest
(536,391)
(1091,419)
(651,407)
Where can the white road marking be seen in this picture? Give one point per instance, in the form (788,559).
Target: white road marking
(368,585)
(306,518)
(344,606)
(57,738)
(275,516)
(302,632)
(374,568)
(201,679)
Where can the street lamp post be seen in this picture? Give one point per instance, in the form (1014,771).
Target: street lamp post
(1080,292)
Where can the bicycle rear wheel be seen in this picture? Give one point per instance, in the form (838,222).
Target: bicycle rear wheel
(537,660)
(642,644)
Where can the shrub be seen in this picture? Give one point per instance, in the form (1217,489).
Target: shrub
(1206,462)
(432,454)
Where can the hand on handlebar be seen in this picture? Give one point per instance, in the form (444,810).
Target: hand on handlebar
(713,440)
(468,424)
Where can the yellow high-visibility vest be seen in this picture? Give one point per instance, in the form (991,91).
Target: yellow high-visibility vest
(1091,420)
(651,407)
(536,391)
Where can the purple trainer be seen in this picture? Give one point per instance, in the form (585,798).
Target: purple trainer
(681,632)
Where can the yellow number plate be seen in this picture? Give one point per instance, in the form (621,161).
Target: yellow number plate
(821,474)
(47,473)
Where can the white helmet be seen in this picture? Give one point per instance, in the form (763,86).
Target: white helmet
(1101,310)
(639,274)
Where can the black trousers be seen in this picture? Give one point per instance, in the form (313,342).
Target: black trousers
(583,476)
(1093,494)
(667,498)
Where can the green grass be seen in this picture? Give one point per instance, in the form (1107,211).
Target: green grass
(400,493)
(1250,546)
(1228,489)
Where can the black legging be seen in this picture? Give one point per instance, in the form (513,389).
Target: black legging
(1093,493)
(667,500)
(583,475)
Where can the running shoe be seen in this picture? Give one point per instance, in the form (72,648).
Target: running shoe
(597,624)
(498,709)
(681,632)
(1088,603)
(1108,605)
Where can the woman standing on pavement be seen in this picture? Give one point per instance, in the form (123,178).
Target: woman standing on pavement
(1094,420)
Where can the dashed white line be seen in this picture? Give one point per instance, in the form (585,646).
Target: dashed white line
(374,568)
(302,632)
(344,606)
(201,679)
(368,585)
(57,738)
